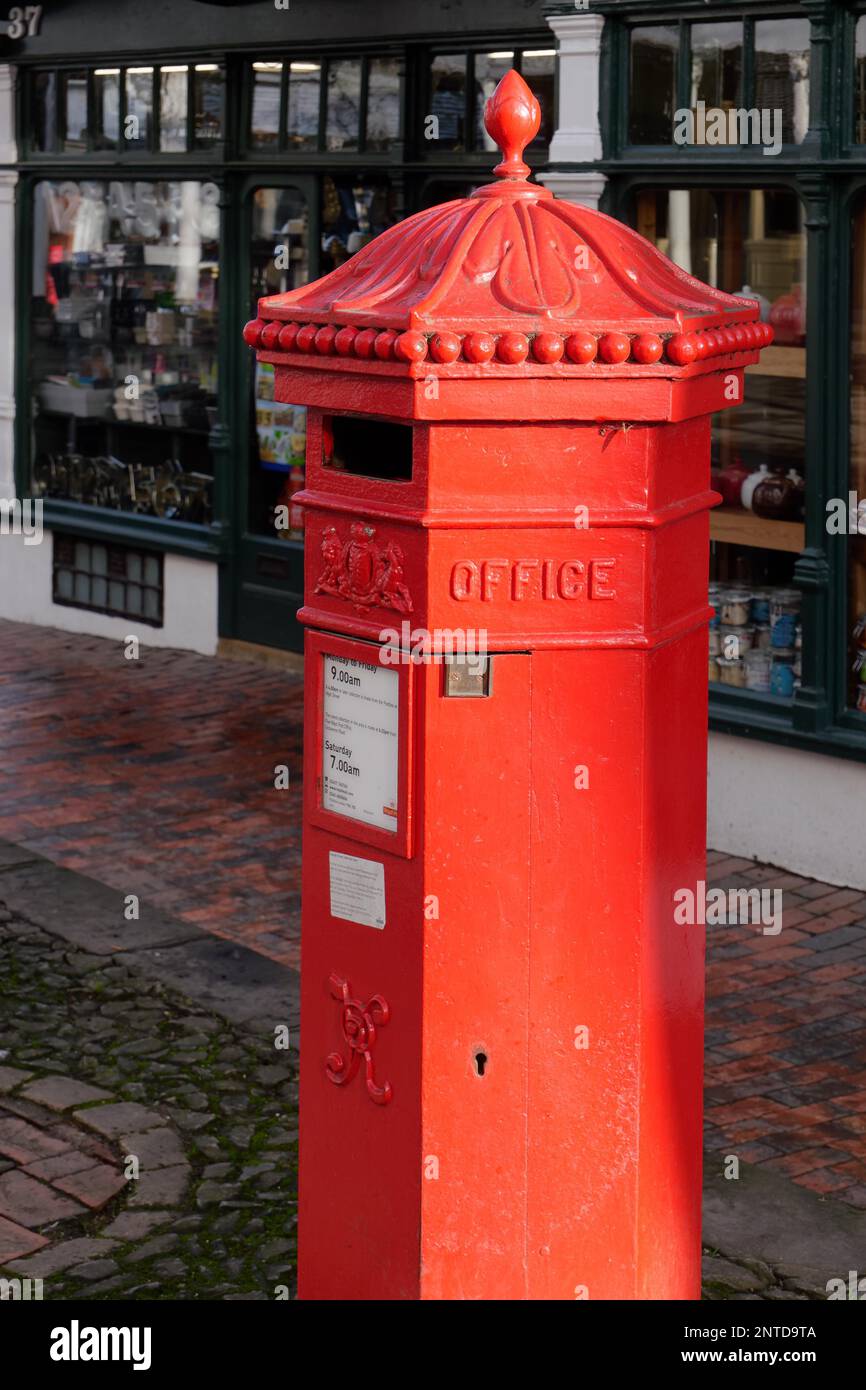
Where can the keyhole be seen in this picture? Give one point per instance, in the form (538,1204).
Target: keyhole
(480,1060)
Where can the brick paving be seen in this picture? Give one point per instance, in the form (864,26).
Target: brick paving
(785,1062)
(157,777)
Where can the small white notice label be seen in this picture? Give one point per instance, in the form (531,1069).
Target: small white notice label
(357,889)
(360,719)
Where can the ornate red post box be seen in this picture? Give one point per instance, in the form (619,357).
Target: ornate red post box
(508,449)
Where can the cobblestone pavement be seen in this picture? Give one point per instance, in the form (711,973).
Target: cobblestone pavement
(156,777)
(102,1070)
(749,1279)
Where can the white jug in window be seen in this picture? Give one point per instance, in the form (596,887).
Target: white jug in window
(748,488)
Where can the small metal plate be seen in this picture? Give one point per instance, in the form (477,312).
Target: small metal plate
(468,677)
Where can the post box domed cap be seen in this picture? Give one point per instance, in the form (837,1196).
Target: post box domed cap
(511,259)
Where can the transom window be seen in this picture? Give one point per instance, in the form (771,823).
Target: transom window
(704,68)
(170,108)
(336,105)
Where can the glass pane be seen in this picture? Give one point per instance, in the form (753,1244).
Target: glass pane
(75,112)
(538,67)
(384,103)
(489,69)
(653,83)
(354,210)
(123,359)
(280,262)
(302,116)
(267,80)
(782,74)
(860,81)
(139,107)
(751,242)
(43,133)
(447,102)
(717,64)
(172,108)
(854,510)
(208,100)
(344,104)
(106,95)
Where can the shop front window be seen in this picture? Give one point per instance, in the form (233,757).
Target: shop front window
(280,262)
(123,365)
(751,242)
(853,508)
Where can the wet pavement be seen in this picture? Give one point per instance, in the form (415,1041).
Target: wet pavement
(156,778)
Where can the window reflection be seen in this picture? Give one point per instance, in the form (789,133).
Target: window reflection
(344,104)
(267,82)
(654,54)
(302,121)
(75,112)
(860,80)
(43,132)
(384,103)
(139,107)
(490,68)
(106,95)
(208,99)
(172,107)
(354,210)
(448,100)
(538,67)
(716,64)
(782,73)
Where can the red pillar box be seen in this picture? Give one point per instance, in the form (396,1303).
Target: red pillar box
(509,440)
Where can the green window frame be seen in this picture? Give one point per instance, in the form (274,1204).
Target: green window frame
(827,171)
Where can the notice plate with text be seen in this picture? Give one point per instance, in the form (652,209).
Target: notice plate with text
(360,721)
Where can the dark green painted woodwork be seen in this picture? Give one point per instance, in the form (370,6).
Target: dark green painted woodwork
(828,173)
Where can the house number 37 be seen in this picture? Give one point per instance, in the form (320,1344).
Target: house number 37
(24,20)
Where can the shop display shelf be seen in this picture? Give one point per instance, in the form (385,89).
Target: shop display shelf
(736,526)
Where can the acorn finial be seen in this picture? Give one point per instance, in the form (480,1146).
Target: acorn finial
(512,117)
